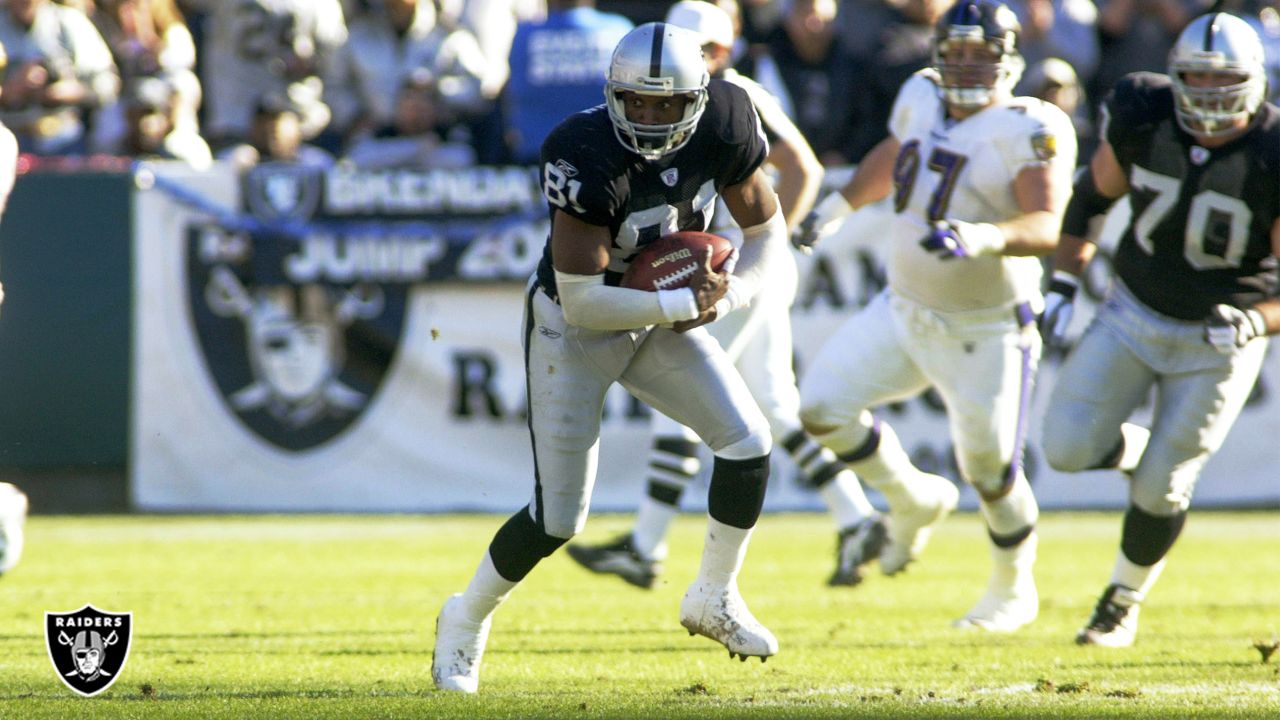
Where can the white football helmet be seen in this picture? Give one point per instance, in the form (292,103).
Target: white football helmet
(1221,44)
(662,60)
(996,26)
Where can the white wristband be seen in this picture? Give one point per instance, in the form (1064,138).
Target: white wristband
(1258,322)
(732,299)
(832,208)
(679,304)
(980,238)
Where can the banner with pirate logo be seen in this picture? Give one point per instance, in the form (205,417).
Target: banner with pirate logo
(88,647)
(350,342)
(336,342)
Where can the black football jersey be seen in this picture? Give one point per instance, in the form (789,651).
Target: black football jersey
(1200,233)
(589,174)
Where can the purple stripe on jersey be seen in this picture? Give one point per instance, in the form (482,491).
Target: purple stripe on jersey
(1024,400)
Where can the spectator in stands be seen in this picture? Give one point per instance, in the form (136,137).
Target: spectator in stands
(494,23)
(1055,81)
(389,42)
(254,48)
(276,135)
(1137,35)
(148,39)
(60,70)
(558,66)
(151,127)
(413,138)
(806,51)
(903,46)
(1065,29)
(1264,16)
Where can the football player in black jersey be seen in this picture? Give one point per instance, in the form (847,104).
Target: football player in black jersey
(650,161)
(758,339)
(1193,299)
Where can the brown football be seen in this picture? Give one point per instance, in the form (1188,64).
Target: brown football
(668,262)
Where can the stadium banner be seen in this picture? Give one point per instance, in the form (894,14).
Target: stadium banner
(340,341)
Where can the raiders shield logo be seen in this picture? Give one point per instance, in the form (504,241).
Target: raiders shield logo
(295,355)
(88,647)
(283,191)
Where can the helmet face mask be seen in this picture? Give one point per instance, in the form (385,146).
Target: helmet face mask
(1219,80)
(657,60)
(975,52)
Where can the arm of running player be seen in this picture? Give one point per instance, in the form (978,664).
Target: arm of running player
(799,176)
(872,181)
(1040,190)
(580,254)
(754,206)
(1095,190)
(1270,308)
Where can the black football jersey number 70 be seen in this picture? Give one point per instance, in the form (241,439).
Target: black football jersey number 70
(1200,233)
(587,173)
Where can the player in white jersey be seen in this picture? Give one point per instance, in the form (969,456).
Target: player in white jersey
(979,181)
(758,340)
(260,48)
(13,502)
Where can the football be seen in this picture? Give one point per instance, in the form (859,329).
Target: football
(668,262)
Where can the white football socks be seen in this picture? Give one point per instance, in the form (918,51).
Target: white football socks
(723,551)
(488,590)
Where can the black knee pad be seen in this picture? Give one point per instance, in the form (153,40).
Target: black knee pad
(737,490)
(520,544)
(1147,538)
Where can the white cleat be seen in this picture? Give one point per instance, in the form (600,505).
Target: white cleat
(455,663)
(934,497)
(1003,609)
(721,614)
(13,518)
(1011,600)
(1114,622)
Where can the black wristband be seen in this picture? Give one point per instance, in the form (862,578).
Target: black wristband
(1064,284)
(1086,204)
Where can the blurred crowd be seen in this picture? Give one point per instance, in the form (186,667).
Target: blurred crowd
(452,83)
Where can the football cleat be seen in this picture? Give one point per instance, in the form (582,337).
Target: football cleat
(13,518)
(1004,608)
(617,557)
(455,662)
(1114,622)
(721,614)
(1011,600)
(933,498)
(857,546)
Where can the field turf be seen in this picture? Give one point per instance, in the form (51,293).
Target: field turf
(332,617)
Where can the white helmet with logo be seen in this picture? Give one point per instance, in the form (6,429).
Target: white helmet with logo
(660,60)
(1221,44)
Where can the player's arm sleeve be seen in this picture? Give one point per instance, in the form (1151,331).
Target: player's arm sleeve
(574,185)
(589,303)
(763,243)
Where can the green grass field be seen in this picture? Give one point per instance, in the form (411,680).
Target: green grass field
(332,617)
